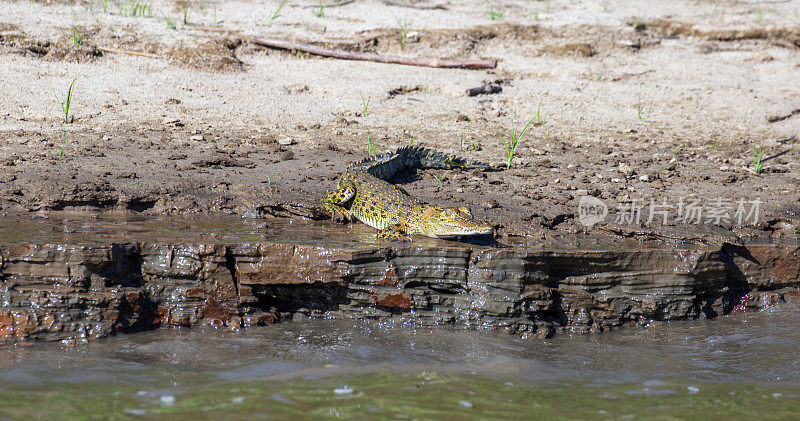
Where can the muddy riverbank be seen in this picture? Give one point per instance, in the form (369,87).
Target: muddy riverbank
(631,101)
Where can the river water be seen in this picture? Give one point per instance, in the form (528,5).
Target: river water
(741,365)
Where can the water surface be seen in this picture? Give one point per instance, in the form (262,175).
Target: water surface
(738,365)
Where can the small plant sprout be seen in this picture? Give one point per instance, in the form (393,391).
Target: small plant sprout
(77,37)
(439,180)
(760,16)
(135,8)
(403,24)
(540,118)
(268,179)
(365,105)
(636,23)
(276,13)
(680,148)
(63,143)
(370,146)
(605,7)
(495,14)
(105,7)
(319,11)
(185,7)
(65,105)
(758,159)
(639,108)
(170,23)
(513,141)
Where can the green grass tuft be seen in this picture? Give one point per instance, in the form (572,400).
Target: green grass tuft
(365,105)
(511,144)
(67,103)
(135,8)
(639,108)
(495,14)
(319,11)
(758,159)
(77,37)
(403,24)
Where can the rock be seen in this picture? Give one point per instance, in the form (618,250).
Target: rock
(197,138)
(626,169)
(286,141)
(79,292)
(287,155)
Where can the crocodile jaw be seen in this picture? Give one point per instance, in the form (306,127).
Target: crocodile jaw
(439,222)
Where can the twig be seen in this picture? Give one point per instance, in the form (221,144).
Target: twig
(777,118)
(486,89)
(380,58)
(130,53)
(414,6)
(208,29)
(328,6)
(786,139)
(627,75)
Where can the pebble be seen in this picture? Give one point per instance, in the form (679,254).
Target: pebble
(137,412)
(465,404)
(693,389)
(344,390)
(286,141)
(197,137)
(167,399)
(644,177)
(626,169)
(238,399)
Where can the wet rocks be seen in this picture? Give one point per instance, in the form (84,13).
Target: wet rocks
(77,292)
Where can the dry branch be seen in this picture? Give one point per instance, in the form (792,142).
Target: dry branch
(130,53)
(327,6)
(380,58)
(414,6)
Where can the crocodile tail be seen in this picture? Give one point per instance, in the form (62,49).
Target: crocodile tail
(385,166)
(419,157)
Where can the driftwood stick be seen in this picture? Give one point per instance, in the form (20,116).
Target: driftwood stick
(130,53)
(327,6)
(380,58)
(414,6)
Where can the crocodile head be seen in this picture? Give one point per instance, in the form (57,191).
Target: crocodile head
(442,222)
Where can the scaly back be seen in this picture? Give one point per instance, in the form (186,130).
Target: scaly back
(386,166)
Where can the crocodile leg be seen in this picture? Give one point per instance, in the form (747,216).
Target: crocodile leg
(334,199)
(398,232)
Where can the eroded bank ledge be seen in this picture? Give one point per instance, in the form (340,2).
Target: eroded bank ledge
(73,293)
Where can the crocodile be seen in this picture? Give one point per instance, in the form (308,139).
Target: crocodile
(363,192)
